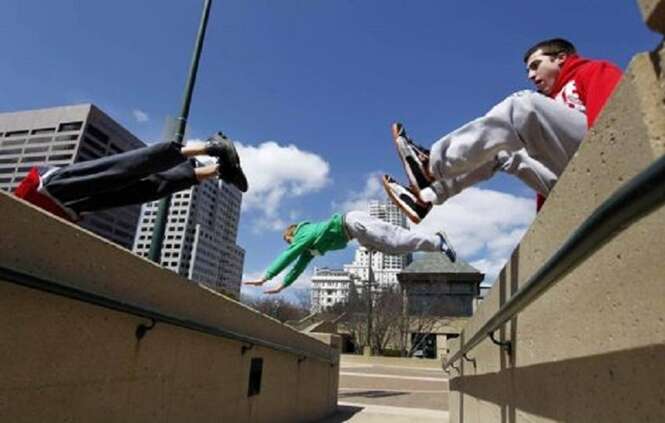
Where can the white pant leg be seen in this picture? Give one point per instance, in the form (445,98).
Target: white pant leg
(549,132)
(446,188)
(532,172)
(518,163)
(378,235)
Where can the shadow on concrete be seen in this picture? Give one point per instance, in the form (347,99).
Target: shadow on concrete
(372,394)
(633,380)
(344,413)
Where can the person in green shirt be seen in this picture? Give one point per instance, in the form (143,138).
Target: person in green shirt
(307,240)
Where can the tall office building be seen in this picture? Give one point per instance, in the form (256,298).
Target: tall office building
(61,136)
(200,236)
(385,266)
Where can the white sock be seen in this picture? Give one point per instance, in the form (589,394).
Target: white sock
(427,195)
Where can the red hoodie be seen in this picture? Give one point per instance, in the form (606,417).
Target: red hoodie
(584,85)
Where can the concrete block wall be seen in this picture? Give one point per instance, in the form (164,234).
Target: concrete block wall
(63,359)
(592,348)
(653,12)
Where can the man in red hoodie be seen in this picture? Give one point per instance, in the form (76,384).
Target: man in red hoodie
(531,135)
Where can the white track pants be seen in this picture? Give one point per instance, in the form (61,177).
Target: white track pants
(528,135)
(378,235)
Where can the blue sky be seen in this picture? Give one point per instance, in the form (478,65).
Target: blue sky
(309,88)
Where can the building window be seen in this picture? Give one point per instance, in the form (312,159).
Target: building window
(101,136)
(70,126)
(42,131)
(10,143)
(41,149)
(60,157)
(95,146)
(16,133)
(62,147)
(33,159)
(66,138)
(10,151)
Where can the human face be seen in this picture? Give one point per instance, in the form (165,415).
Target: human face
(543,69)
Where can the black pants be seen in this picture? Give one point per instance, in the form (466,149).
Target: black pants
(133,177)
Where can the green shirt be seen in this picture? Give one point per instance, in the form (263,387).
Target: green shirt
(310,239)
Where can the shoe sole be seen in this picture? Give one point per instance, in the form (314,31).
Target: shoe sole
(234,158)
(396,201)
(409,162)
(402,146)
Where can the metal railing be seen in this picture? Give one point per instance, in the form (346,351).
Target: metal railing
(636,198)
(30,281)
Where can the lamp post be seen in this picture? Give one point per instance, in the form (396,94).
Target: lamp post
(370,280)
(179,133)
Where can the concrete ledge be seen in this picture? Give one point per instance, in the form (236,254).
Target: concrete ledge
(38,244)
(653,12)
(588,350)
(63,359)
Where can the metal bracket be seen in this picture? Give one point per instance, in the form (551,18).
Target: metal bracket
(470,360)
(245,348)
(456,368)
(142,329)
(507,346)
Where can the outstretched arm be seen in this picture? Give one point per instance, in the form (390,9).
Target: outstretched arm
(257,282)
(293,274)
(286,258)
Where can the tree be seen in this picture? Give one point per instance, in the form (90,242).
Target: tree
(277,307)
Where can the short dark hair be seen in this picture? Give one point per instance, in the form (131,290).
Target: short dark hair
(551,47)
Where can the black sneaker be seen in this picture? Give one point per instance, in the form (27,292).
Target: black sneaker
(227,157)
(406,200)
(414,158)
(447,247)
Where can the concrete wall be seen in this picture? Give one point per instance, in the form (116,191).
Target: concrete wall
(592,348)
(68,360)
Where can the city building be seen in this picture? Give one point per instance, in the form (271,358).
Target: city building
(200,236)
(330,287)
(439,297)
(60,136)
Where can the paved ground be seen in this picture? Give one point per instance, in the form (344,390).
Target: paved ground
(391,390)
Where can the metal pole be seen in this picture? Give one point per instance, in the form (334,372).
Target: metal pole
(370,280)
(163,210)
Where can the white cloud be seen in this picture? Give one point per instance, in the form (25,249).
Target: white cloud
(373,190)
(277,172)
(490,267)
(483,224)
(140,116)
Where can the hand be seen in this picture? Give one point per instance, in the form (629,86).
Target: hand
(257,282)
(274,290)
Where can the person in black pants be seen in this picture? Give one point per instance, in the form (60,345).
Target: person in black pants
(133,177)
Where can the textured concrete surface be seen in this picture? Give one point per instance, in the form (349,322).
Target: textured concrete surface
(67,360)
(391,390)
(591,348)
(653,12)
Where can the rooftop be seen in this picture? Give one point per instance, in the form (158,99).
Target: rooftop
(438,263)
